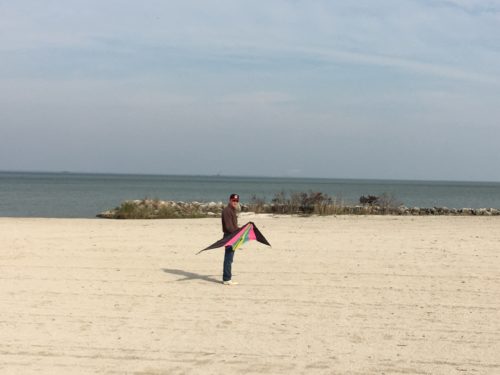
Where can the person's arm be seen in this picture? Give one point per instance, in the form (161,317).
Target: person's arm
(235,222)
(229,221)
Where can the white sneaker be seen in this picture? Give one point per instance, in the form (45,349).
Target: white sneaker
(230,282)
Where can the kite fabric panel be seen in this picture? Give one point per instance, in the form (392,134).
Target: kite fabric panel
(247,232)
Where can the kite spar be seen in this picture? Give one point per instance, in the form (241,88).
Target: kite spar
(247,232)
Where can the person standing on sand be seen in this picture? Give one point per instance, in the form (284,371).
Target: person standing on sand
(229,225)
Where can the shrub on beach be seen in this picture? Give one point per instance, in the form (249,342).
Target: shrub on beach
(156,209)
(382,204)
(296,203)
(318,203)
(258,204)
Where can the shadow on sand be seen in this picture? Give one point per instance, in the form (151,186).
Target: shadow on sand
(190,275)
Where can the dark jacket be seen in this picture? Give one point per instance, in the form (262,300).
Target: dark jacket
(229,220)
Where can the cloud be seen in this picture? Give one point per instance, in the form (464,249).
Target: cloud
(472,6)
(322,77)
(439,70)
(429,38)
(257,98)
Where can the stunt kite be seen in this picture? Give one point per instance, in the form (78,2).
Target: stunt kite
(246,233)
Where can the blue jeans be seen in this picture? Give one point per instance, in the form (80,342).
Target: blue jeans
(228,262)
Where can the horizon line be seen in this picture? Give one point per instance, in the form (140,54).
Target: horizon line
(64,172)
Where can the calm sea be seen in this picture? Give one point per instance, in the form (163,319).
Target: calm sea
(84,195)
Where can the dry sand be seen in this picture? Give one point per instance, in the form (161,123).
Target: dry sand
(335,295)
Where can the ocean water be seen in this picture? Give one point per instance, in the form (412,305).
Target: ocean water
(76,195)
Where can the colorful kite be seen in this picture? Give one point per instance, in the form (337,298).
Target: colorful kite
(247,232)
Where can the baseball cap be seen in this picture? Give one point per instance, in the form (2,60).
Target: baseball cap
(234,197)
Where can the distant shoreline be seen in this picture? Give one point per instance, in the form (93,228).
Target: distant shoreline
(222,175)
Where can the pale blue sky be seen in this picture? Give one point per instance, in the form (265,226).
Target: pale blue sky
(365,89)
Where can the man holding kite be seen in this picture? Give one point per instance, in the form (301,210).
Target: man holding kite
(234,237)
(229,226)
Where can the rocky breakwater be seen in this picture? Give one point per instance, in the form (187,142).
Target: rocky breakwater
(402,210)
(373,210)
(387,205)
(158,209)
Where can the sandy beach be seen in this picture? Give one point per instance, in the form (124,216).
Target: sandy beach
(334,295)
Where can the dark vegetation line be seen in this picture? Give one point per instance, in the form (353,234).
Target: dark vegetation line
(295,203)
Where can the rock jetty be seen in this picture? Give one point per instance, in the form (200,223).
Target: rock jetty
(158,209)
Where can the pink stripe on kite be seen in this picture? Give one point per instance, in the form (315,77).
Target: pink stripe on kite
(251,235)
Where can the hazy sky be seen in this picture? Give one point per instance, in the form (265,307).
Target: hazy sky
(395,89)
